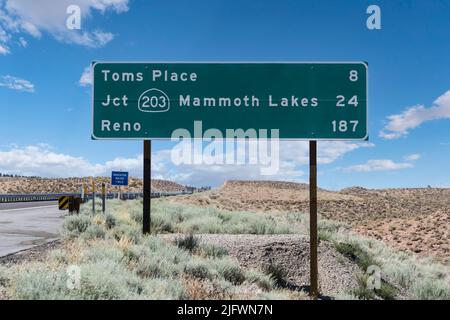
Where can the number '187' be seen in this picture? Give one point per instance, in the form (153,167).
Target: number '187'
(344,125)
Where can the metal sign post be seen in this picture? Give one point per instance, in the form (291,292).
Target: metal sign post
(147,187)
(93,195)
(103,197)
(313,218)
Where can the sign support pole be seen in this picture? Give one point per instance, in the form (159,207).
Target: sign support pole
(313,218)
(147,186)
(103,197)
(93,195)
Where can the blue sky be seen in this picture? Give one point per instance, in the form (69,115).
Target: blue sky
(46,111)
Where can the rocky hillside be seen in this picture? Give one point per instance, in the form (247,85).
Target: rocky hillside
(43,185)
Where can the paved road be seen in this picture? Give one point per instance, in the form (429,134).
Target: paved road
(27,224)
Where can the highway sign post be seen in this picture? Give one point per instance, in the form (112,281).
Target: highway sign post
(302,100)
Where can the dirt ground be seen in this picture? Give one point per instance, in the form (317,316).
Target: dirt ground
(412,220)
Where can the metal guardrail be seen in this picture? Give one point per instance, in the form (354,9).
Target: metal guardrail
(6,198)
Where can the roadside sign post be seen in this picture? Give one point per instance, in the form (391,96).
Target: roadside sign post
(85,192)
(146,222)
(313,218)
(93,195)
(103,197)
(297,100)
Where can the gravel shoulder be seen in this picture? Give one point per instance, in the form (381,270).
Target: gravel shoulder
(36,253)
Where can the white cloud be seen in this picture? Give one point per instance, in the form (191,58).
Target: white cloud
(4,50)
(23,42)
(327,151)
(42,160)
(412,157)
(15,83)
(86,77)
(34,18)
(378,165)
(399,125)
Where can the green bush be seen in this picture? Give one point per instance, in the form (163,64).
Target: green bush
(164,289)
(37,282)
(187,242)
(277,273)
(94,231)
(59,256)
(198,269)
(211,251)
(106,280)
(110,221)
(356,253)
(230,271)
(128,231)
(103,251)
(74,225)
(265,282)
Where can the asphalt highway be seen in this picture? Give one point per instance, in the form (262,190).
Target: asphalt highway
(27,224)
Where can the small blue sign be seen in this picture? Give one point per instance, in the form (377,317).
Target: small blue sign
(119,178)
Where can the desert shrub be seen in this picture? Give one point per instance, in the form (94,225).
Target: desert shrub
(230,271)
(74,225)
(160,224)
(136,215)
(166,250)
(187,242)
(59,256)
(198,269)
(36,282)
(170,217)
(277,273)
(201,224)
(387,291)
(216,289)
(420,278)
(356,253)
(156,267)
(127,231)
(164,289)
(103,251)
(362,292)
(273,295)
(265,282)
(211,251)
(5,276)
(106,280)
(429,289)
(94,231)
(110,221)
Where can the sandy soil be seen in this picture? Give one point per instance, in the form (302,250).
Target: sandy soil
(414,220)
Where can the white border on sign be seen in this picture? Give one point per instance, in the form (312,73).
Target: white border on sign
(365,138)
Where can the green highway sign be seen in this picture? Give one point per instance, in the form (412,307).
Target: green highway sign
(304,100)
